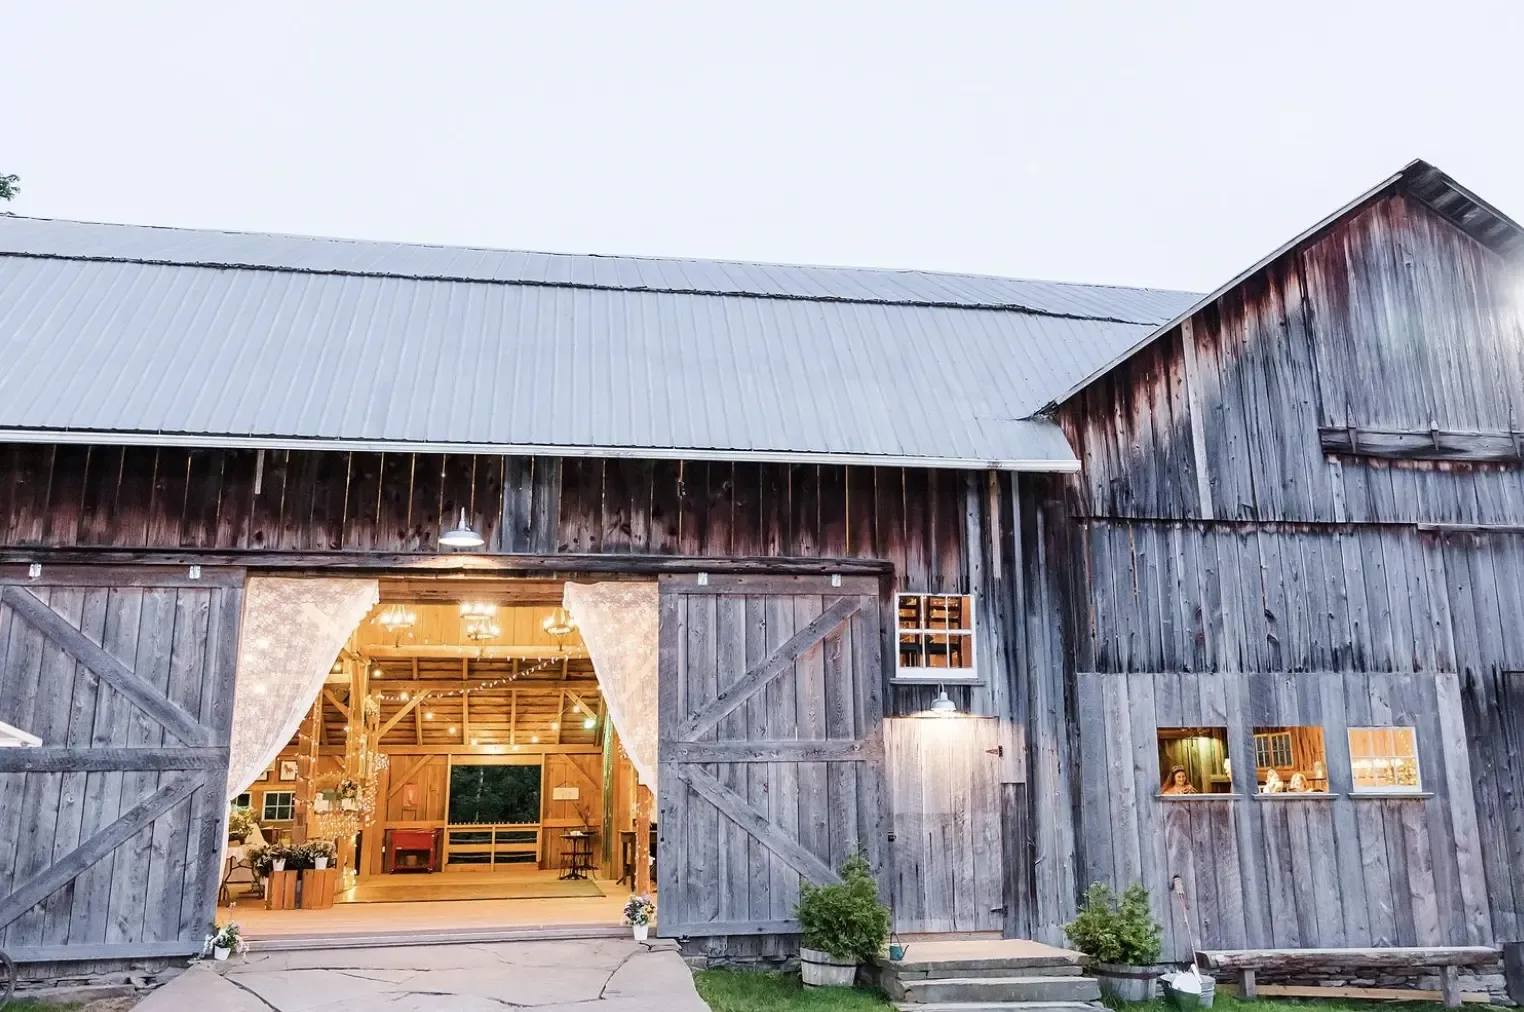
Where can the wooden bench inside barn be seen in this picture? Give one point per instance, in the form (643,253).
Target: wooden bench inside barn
(1246,963)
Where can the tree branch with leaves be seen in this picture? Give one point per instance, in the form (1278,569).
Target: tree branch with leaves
(8,187)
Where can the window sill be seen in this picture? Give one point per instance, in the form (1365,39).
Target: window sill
(918,678)
(1391,795)
(1297,796)
(1191,798)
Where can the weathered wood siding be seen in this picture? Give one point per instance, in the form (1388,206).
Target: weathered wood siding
(1392,320)
(939,531)
(1227,571)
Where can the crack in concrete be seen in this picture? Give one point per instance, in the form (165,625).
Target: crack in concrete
(249,990)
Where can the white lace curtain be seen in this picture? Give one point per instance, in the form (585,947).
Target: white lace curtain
(618,621)
(293,630)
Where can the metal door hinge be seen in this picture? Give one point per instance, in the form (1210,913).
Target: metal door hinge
(34,571)
(195,572)
(998,750)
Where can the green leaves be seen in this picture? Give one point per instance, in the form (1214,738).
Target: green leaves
(1112,932)
(846,920)
(8,187)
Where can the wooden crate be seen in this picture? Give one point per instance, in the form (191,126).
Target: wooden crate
(318,888)
(280,890)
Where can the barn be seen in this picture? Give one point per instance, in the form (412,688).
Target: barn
(1012,586)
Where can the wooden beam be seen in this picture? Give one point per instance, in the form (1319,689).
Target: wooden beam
(1198,420)
(306,772)
(513,716)
(443,685)
(101,950)
(417,726)
(755,680)
(437,651)
(110,670)
(494,749)
(133,821)
(387,563)
(643,840)
(407,708)
(328,695)
(1317,959)
(109,760)
(465,719)
(1497,447)
(831,750)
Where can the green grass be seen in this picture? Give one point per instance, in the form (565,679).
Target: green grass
(740,991)
(29,1005)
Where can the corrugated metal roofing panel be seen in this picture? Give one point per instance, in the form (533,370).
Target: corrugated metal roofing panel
(141,347)
(48,237)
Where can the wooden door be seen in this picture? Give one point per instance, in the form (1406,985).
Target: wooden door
(948,847)
(111,832)
(770,745)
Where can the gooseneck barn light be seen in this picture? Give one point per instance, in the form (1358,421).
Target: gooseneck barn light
(942,706)
(462,536)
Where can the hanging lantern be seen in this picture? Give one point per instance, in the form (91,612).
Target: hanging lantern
(396,620)
(559,623)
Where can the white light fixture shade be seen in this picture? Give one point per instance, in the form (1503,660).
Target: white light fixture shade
(462,536)
(943,706)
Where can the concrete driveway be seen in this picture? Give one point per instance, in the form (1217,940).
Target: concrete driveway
(593,975)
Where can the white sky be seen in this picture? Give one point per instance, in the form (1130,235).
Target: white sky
(1166,144)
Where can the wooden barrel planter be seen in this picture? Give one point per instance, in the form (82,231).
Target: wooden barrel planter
(1129,983)
(821,969)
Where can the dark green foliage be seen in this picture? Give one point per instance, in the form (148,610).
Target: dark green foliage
(1112,932)
(8,187)
(494,795)
(846,920)
(739,991)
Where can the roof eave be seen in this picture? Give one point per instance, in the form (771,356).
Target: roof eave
(107,437)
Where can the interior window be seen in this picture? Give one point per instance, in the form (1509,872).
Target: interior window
(279,806)
(936,636)
(1384,759)
(1194,760)
(1290,760)
(242,801)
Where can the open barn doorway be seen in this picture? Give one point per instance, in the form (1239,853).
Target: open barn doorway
(459,763)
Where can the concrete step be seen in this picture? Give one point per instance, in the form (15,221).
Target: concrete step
(1027,968)
(999,1006)
(933,990)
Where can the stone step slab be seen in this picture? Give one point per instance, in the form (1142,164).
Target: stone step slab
(998,1006)
(935,990)
(900,971)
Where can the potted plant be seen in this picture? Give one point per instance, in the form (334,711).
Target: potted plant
(241,825)
(1122,940)
(843,925)
(349,795)
(321,853)
(639,913)
(225,940)
(280,856)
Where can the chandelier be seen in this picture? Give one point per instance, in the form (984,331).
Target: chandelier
(479,621)
(559,623)
(396,620)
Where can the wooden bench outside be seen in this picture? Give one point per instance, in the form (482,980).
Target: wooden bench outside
(1448,959)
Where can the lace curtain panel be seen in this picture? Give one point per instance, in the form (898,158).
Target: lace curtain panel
(618,621)
(293,630)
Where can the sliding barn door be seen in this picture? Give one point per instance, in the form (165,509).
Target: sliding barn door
(111,832)
(771,748)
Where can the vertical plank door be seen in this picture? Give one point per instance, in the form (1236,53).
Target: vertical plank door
(111,832)
(771,748)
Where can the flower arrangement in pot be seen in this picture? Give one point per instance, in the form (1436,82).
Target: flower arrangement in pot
(843,925)
(349,795)
(639,912)
(320,854)
(225,940)
(280,856)
(1122,940)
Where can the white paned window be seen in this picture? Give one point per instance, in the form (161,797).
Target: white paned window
(279,806)
(935,638)
(1384,760)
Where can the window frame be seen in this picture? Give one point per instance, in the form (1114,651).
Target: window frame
(1354,783)
(264,806)
(244,802)
(926,675)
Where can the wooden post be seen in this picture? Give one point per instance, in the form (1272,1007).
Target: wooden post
(306,772)
(1513,970)
(1449,986)
(642,841)
(1246,988)
(606,819)
(359,690)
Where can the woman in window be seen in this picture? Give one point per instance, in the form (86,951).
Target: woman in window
(1273,782)
(1178,783)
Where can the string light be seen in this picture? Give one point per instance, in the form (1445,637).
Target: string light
(494,683)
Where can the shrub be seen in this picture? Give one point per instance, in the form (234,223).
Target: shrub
(241,823)
(262,861)
(1112,932)
(846,920)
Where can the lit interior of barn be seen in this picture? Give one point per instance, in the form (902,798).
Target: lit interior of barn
(465,745)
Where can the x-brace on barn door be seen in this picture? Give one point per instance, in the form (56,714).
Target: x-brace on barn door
(771,745)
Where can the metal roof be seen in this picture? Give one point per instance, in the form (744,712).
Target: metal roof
(118,333)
